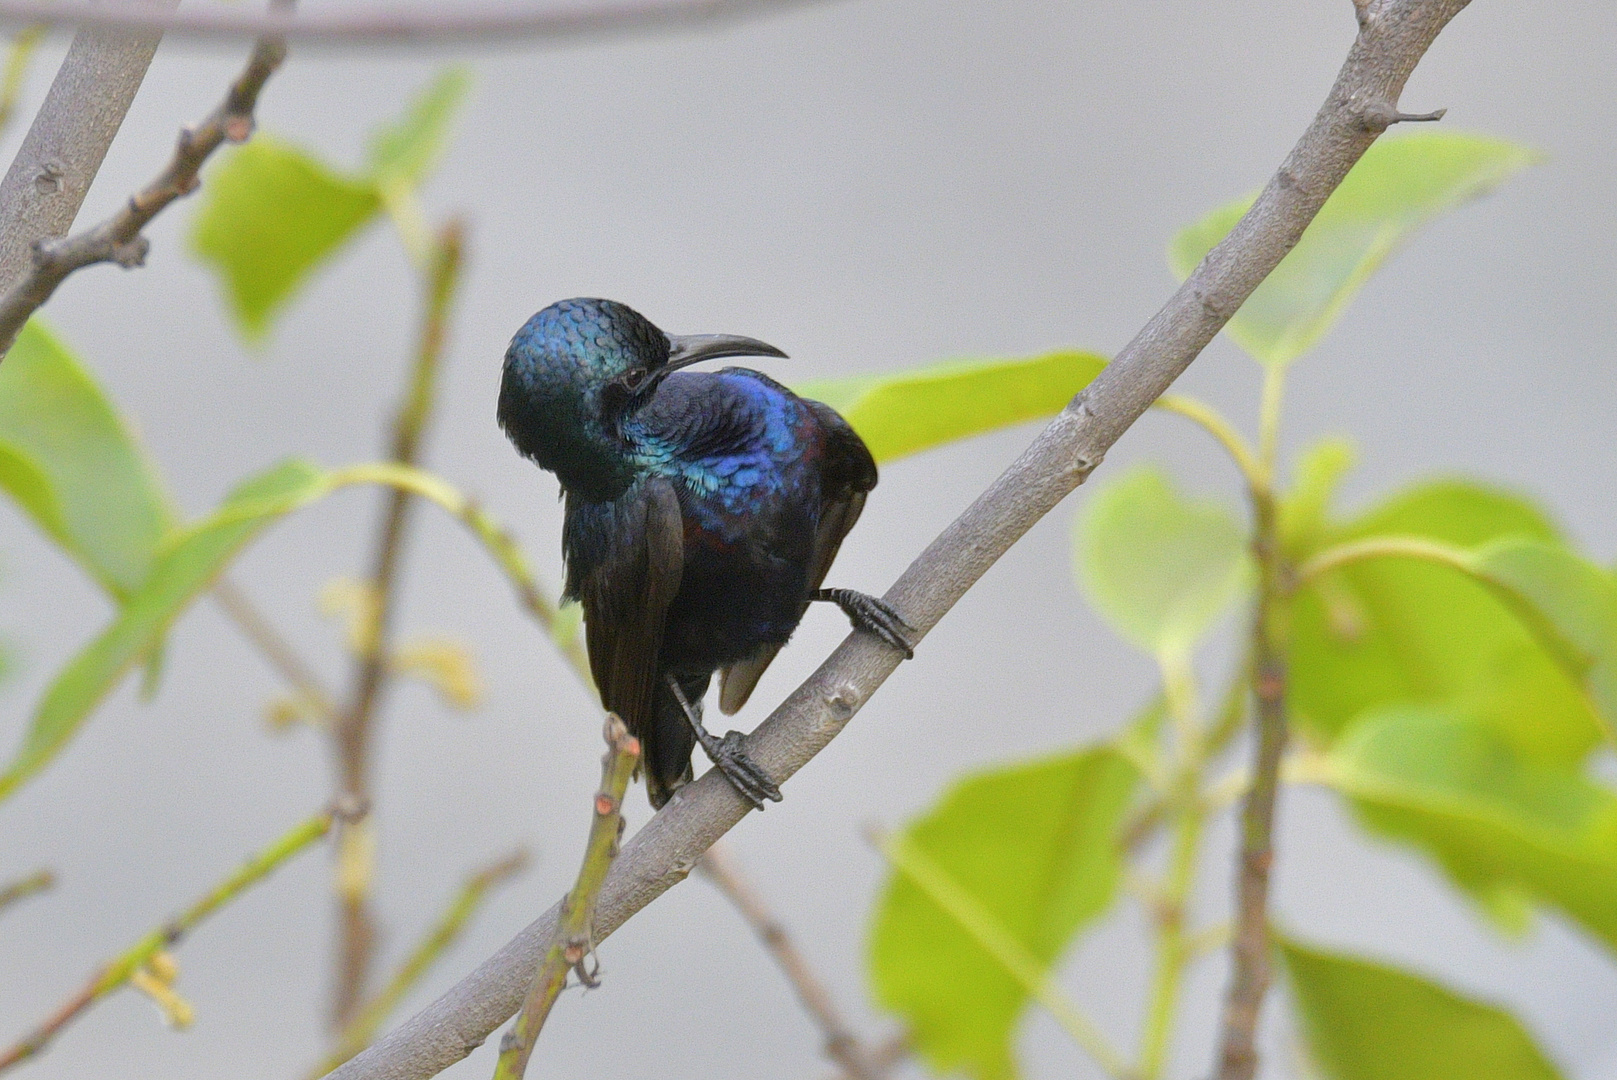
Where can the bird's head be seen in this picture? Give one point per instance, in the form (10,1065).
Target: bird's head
(578,369)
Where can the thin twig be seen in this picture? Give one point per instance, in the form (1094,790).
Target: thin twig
(119,239)
(137,957)
(1249,944)
(37,882)
(370,1017)
(574,940)
(273,645)
(390,26)
(1394,38)
(352,735)
(841,1045)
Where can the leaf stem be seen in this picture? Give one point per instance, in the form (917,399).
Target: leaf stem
(1381,547)
(1246,459)
(1000,944)
(135,959)
(37,882)
(574,940)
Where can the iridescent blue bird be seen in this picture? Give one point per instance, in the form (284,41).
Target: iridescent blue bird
(703,510)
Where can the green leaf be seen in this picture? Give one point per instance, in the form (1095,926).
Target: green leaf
(71,463)
(271,214)
(1159,567)
(1401,631)
(1496,821)
(1368,1021)
(185,566)
(1036,846)
(915,410)
(1399,185)
(404,152)
(1572,603)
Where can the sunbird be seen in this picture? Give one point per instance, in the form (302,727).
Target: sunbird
(703,510)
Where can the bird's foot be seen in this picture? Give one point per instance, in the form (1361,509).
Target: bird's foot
(729,755)
(872,615)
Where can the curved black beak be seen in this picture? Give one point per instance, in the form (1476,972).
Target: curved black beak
(687,349)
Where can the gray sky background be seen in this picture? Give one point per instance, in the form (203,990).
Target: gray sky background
(870,184)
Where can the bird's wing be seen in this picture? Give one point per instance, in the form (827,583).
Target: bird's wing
(847,474)
(626,596)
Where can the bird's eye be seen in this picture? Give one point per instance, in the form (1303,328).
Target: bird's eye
(632,378)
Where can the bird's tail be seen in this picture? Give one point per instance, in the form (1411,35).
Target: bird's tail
(665,750)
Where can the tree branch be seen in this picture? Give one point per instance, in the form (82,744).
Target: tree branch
(841,1045)
(59,157)
(37,882)
(574,940)
(1393,36)
(119,239)
(389,26)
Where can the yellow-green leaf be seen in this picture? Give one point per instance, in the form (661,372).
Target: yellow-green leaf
(404,152)
(1401,183)
(73,465)
(270,214)
(187,564)
(1158,566)
(1499,823)
(910,411)
(1035,846)
(1369,1021)
(1401,631)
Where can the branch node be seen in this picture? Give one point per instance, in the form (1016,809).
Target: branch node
(130,253)
(239,128)
(1382,115)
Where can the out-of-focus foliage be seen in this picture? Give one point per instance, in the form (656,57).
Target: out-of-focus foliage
(1401,183)
(1505,827)
(1157,566)
(73,465)
(271,213)
(1366,1021)
(1036,846)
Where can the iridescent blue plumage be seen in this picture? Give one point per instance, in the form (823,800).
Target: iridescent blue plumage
(703,511)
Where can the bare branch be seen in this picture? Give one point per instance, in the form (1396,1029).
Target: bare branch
(574,940)
(273,645)
(1394,35)
(62,152)
(119,239)
(390,26)
(841,1045)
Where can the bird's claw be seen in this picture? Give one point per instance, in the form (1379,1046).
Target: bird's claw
(873,615)
(744,774)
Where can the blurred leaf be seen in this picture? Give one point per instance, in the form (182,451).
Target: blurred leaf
(446,666)
(1497,822)
(915,410)
(187,564)
(404,152)
(1367,1021)
(1305,509)
(1036,846)
(1572,603)
(1399,631)
(73,465)
(1399,185)
(270,214)
(1157,566)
